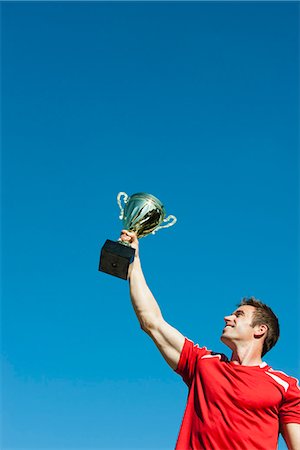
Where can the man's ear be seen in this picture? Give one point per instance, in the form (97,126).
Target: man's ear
(260,330)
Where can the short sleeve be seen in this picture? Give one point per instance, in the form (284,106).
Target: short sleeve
(289,411)
(188,358)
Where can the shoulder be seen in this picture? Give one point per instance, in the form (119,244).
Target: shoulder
(216,355)
(192,356)
(192,349)
(285,380)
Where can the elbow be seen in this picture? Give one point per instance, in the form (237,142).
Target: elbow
(149,324)
(144,327)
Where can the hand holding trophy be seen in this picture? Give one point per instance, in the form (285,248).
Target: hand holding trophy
(142,213)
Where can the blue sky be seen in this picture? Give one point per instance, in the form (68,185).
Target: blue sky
(196,103)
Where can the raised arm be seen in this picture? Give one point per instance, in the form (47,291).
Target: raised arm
(168,340)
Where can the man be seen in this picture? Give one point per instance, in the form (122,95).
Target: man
(237,404)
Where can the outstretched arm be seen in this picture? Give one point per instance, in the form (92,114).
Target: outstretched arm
(168,340)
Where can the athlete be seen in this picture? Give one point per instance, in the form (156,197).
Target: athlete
(236,404)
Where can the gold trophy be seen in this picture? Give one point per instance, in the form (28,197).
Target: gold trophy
(142,213)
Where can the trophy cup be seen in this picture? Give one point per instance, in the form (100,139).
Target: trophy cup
(142,213)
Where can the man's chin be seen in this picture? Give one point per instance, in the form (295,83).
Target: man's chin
(226,340)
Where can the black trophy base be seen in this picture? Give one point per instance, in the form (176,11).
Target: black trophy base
(115,259)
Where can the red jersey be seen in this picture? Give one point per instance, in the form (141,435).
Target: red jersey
(233,407)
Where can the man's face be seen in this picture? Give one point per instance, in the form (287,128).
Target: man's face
(238,327)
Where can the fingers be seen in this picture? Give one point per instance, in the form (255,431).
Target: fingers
(132,239)
(124,237)
(132,234)
(128,236)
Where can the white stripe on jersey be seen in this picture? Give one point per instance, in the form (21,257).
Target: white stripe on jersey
(211,356)
(283,373)
(279,380)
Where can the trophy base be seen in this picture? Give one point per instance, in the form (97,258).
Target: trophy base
(115,259)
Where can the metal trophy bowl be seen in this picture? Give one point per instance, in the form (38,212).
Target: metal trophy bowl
(142,213)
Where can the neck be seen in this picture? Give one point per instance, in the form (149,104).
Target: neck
(246,356)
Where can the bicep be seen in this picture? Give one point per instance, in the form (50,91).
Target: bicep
(291,435)
(169,342)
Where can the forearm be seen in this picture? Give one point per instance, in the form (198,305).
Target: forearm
(143,301)
(168,340)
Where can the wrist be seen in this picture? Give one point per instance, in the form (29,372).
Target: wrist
(134,266)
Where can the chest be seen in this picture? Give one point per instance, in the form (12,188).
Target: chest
(246,388)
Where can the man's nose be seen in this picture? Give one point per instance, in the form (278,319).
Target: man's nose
(228,318)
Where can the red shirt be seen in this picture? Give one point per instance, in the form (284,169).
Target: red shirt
(233,407)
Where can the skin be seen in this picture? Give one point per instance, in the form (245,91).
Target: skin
(244,340)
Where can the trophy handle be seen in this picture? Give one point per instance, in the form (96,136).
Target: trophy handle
(119,196)
(168,225)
